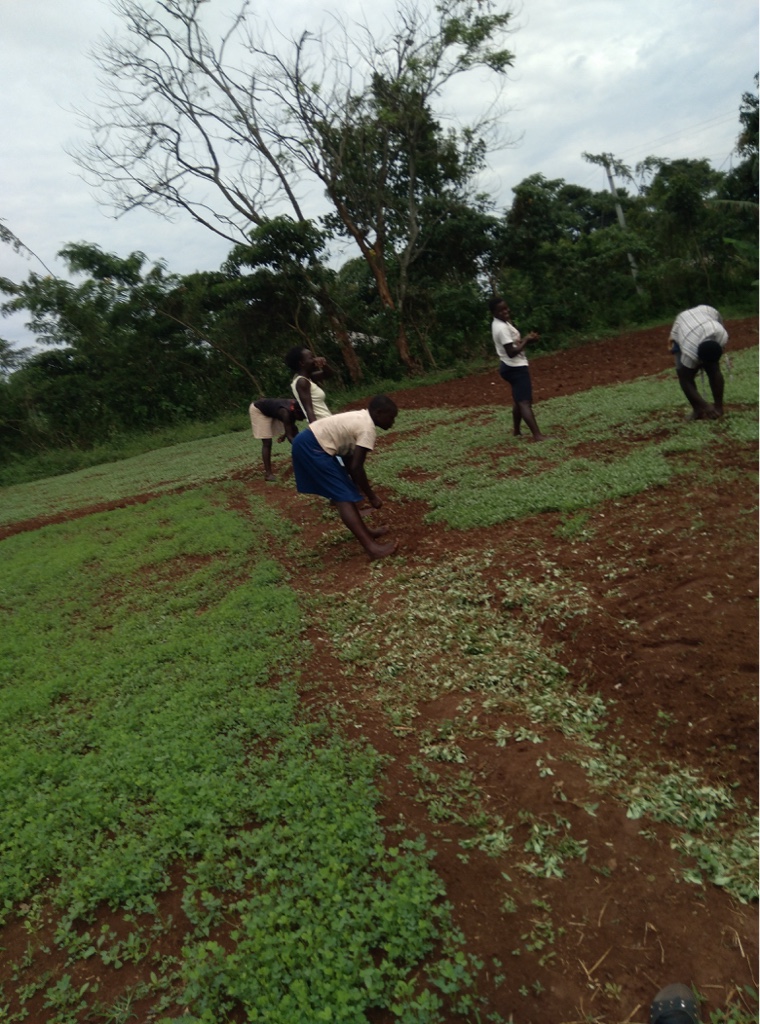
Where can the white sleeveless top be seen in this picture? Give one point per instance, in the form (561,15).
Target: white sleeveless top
(317,397)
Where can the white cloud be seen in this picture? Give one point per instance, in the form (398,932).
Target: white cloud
(589,75)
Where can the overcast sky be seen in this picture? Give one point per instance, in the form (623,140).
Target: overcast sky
(631,77)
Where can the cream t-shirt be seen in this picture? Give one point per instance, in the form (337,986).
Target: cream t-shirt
(340,434)
(504,334)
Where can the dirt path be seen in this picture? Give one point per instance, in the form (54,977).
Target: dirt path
(672,644)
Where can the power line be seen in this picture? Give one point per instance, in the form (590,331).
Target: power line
(684,132)
(713,121)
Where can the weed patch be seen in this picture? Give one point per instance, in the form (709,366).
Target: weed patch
(628,436)
(141,728)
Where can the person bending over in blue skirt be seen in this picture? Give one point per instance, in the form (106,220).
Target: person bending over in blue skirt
(317,470)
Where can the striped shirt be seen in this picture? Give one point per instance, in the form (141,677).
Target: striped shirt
(692,327)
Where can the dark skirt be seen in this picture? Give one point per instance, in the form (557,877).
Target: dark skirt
(316,472)
(518,378)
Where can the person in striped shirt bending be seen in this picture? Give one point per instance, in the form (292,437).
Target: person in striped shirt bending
(698,339)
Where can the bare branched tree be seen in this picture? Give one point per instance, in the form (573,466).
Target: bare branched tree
(237,132)
(178,121)
(179,128)
(359,109)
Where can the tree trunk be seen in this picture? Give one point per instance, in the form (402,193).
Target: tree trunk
(346,348)
(374,257)
(377,266)
(402,344)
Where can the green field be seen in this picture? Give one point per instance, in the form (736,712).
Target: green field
(153,737)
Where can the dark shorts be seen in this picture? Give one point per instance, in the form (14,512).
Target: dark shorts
(316,472)
(518,378)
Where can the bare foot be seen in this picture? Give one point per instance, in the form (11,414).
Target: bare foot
(382,550)
(540,437)
(270,477)
(379,532)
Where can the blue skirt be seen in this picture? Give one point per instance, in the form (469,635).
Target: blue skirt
(316,472)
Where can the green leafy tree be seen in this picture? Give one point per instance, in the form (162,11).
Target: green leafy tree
(266,294)
(739,195)
(114,360)
(562,258)
(233,133)
(684,229)
(372,138)
(741,182)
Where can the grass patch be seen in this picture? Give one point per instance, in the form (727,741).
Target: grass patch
(57,461)
(605,444)
(165,469)
(150,723)
(142,727)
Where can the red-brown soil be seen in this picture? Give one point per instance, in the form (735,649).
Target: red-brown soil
(673,644)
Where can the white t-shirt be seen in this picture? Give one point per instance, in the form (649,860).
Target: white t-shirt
(340,434)
(504,334)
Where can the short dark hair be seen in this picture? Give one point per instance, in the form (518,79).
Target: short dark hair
(382,403)
(709,351)
(293,358)
(494,303)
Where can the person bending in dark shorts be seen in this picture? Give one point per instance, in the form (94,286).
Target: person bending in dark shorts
(273,417)
(697,340)
(513,366)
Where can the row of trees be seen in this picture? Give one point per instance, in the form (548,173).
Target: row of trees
(131,346)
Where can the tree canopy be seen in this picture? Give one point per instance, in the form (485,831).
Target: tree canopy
(123,345)
(344,112)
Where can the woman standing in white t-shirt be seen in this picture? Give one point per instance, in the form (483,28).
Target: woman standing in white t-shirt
(513,366)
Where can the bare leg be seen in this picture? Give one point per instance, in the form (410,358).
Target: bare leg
(516,419)
(353,520)
(717,384)
(363,510)
(526,410)
(266,457)
(687,378)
